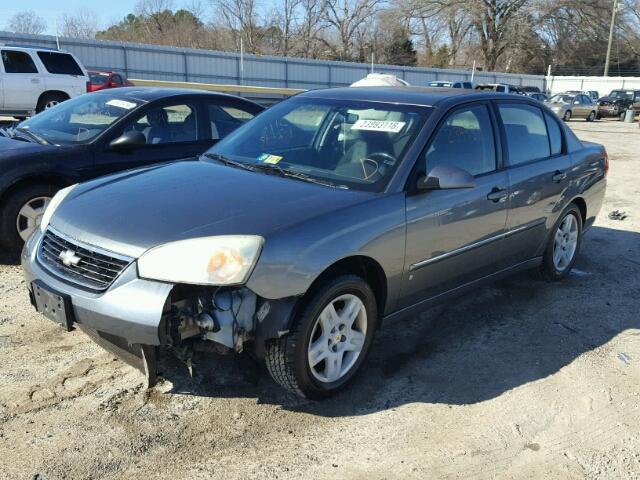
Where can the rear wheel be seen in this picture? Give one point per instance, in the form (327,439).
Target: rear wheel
(564,245)
(329,342)
(567,116)
(49,100)
(22,214)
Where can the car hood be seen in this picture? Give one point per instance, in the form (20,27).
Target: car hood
(129,213)
(10,148)
(611,99)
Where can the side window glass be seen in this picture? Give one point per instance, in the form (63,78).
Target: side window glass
(170,124)
(116,79)
(18,62)
(499,88)
(555,134)
(465,140)
(526,133)
(60,63)
(225,119)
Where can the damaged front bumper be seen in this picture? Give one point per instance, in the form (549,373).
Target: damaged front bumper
(134,316)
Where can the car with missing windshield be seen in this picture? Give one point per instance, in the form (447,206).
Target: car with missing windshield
(568,106)
(101,133)
(298,234)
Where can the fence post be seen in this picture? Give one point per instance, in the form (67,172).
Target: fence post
(286,73)
(186,66)
(126,64)
(330,82)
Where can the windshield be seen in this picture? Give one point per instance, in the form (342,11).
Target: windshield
(562,99)
(98,78)
(621,94)
(343,143)
(79,120)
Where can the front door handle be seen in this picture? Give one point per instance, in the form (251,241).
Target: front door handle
(497,195)
(559,176)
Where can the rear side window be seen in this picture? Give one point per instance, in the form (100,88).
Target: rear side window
(526,133)
(18,62)
(555,134)
(500,88)
(60,63)
(225,119)
(465,140)
(116,80)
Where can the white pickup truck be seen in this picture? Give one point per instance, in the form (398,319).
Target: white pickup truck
(35,78)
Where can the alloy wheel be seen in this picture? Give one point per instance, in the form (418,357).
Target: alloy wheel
(337,338)
(50,104)
(30,216)
(565,243)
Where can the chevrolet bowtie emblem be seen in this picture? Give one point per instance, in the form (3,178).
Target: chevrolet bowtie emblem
(69,258)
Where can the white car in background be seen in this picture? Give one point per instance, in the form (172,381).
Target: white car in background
(35,78)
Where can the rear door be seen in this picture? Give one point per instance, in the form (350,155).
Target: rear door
(454,236)
(537,164)
(22,83)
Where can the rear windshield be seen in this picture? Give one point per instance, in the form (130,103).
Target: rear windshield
(60,63)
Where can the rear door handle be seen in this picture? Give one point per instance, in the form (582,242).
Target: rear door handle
(35,80)
(559,176)
(497,195)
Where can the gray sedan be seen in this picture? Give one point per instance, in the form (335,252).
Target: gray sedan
(297,235)
(568,106)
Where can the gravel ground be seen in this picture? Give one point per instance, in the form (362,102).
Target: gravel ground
(522,379)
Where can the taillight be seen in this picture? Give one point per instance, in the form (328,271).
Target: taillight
(606,162)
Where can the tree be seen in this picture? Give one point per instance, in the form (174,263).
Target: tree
(400,50)
(82,24)
(27,22)
(241,18)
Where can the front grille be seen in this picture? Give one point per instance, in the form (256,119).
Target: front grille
(88,267)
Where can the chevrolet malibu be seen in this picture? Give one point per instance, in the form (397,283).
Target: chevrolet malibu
(298,234)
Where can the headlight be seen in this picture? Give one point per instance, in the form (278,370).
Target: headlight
(222,260)
(57,199)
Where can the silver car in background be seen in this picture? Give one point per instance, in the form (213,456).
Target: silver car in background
(570,105)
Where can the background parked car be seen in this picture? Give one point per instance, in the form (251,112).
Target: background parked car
(618,102)
(501,88)
(541,97)
(101,133)
(104,80)
(447,84)
(36,78)
(568,106)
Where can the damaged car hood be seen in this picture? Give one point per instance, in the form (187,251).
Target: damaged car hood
(129,213)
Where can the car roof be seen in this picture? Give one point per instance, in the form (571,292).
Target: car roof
(423,96)
(150,94)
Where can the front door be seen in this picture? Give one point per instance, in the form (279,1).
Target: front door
(454,236)
(22,84)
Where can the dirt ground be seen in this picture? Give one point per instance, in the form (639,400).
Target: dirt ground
(523,379)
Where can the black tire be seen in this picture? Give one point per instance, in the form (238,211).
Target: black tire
(548,269)
(49,98)
(591,117)
(287,357)
(621,116)
(9,236)
(567,116)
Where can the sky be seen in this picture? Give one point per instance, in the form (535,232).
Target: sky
(108,12)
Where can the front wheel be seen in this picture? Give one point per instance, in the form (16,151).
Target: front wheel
(564,245)
(591,117)
(567,116)
(22,213)
(329,341)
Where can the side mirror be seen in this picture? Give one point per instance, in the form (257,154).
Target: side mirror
(445,177)
(128,140)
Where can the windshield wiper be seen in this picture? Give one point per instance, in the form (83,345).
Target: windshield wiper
(32,135)
(283,172)
(228,161)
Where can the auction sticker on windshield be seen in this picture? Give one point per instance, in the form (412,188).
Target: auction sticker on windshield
(268,158)
(121,104)
(378,126)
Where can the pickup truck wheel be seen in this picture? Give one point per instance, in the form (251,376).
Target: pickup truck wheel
(49,100)
(567,116)
(22,213)
(329,342)
(564,245)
